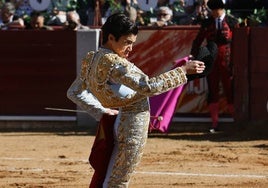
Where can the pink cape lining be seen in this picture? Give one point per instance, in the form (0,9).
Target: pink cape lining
(165,104)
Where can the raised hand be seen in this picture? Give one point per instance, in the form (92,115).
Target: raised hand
(194,67)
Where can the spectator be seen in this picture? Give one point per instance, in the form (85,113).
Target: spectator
(164,17)
(218,29)
(132,3)
(37,22)
(8,19)
(131,9)
(180,15)
(58,17)
(73,22)
(201,11)
(58,9)
(131,12)
(140,18)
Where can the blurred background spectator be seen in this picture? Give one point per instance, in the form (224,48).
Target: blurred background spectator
(179,12)
(131,12)
(164,17)
(57,17)
(8,20)
(37,22)
(57,11)
(201,11)
(184,14)
(73,22)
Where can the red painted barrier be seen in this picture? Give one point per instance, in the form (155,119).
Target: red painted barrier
(258,71)
(240,57)
(37,67)
(251,74)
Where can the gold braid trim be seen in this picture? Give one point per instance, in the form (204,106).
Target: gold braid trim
(85,68)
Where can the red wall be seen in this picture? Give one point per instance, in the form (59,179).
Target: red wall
(36,68)
(258,71)
(240,55)
(250,47)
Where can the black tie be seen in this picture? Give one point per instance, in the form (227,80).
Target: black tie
(219,23)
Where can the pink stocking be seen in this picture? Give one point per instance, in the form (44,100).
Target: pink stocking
(214,113)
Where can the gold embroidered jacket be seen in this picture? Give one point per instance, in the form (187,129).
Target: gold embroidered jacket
(109,81)
(116,82)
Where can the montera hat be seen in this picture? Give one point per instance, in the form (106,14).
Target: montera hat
(216,4)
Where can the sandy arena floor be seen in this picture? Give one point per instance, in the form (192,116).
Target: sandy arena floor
(231,159)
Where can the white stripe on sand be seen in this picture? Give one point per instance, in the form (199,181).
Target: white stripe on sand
(138,172)
(205,175)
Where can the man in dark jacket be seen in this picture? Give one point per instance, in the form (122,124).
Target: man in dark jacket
(218,29)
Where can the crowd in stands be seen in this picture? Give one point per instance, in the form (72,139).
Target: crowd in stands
(84,14)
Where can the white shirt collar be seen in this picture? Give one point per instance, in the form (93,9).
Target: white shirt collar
(221,17)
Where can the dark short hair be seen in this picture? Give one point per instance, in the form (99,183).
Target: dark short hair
(215,4)
(118,25)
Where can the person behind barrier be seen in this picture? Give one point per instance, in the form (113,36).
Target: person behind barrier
(115,83)
(164,17)
(73,22)
(8,20)
(37,22)
(201,12)
(218,29)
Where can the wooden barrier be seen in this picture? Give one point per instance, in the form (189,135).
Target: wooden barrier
(240,55)
(258,72)
(37,67)
(251,74)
